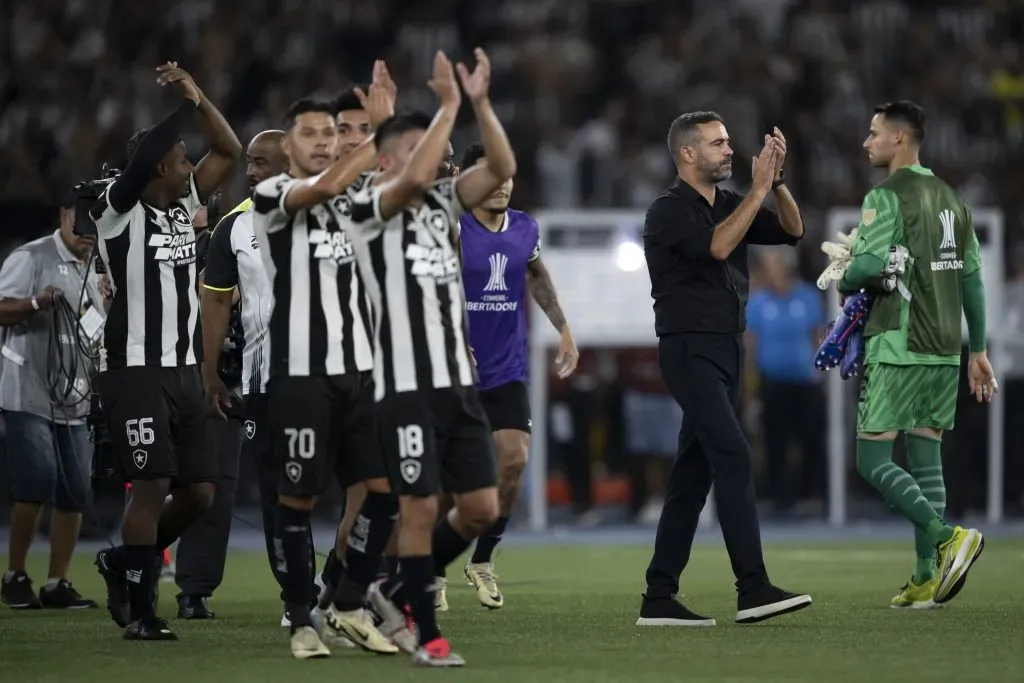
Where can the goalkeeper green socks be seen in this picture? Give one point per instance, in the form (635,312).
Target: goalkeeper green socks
(924,456)
(874,462)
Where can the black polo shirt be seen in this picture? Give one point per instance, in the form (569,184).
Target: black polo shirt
(692,291)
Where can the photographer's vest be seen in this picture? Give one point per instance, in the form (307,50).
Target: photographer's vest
(28,353)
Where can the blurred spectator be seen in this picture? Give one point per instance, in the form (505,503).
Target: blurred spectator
(570,420)
(585,88)
(652,423)
(784,321)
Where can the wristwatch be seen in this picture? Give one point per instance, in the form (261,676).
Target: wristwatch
(780,181)
(35,303)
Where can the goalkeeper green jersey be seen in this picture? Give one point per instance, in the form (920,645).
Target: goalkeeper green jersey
(918,323)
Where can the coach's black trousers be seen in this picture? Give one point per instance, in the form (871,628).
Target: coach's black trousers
(203,548)
(704,373)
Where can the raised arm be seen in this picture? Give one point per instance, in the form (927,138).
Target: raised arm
(421,170)
(125,192)
(379,104)
(476,184)
(786,226)
(225,149)
(729,233)
(323,187)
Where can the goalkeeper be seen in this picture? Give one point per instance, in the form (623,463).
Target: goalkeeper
(915,251)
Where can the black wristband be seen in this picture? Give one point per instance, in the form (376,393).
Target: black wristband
(781,181)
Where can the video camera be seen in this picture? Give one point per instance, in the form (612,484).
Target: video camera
(86,193)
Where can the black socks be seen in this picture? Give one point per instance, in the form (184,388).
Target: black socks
(486,544)
(292,550)
(366,542)
(448,545)
(417,583)
(369,537)
(139,565)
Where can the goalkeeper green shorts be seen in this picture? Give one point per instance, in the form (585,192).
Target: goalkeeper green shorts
(896,398)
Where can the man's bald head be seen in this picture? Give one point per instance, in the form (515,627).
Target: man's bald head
(265,157)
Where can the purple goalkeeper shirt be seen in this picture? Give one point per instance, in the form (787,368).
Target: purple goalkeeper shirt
(494,276)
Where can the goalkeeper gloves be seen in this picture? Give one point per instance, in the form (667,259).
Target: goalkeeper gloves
(839,257)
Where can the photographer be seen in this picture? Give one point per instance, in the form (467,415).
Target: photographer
(50,315)
(150,385)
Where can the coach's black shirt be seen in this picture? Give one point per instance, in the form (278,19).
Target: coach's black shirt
(692,291)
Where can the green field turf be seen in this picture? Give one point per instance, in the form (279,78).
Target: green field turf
(569,616)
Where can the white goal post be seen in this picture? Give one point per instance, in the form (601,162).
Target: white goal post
(604,289)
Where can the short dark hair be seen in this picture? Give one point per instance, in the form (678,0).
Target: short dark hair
(473,154)
(685,125)
(348,100)
(133,143)
(402,123)
(906,112)
(307,105)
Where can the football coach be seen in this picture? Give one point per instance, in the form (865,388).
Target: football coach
(695,241)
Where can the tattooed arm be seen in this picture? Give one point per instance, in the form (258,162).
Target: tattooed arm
(542,289)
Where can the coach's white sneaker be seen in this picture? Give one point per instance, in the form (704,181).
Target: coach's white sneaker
(306,644)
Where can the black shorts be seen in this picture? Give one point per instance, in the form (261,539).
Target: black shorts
(158,420)
(321,426)
(508,406)
(437,440)
(256,443)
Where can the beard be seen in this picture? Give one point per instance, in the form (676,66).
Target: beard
(716,173)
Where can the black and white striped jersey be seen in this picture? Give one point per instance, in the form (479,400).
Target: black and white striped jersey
(320,316)
(412,274)
(234,260)
(150,254)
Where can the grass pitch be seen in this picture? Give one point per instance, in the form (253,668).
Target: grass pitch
(569,616)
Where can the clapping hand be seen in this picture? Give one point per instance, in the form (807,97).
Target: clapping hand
(170,74)
(443,81)
(780,145)
(478,82)
(765,165)
(379,102)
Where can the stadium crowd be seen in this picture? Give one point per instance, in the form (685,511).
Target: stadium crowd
(584,87)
